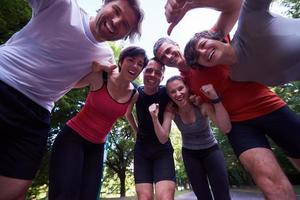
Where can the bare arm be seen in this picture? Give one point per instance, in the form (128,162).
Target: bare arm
(129,116)
(94,78)
(175,10)
(162,131)
(216,111)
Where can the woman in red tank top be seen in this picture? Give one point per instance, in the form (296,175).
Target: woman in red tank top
(77,155)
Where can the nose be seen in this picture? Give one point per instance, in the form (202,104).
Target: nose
(169,56)
(116,21)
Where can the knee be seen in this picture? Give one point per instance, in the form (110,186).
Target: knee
(145,196)
(165,195)
(275,186)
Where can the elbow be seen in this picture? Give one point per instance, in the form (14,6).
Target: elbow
(226,129)
(163,140)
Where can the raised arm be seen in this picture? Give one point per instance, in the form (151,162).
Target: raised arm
(94,78)
(162,131)
(175,10)
(215,111)
(129,115)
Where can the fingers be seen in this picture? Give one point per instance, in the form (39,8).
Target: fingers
(170,29)
(153,109)
(108,67)
(174,12)
(209,91)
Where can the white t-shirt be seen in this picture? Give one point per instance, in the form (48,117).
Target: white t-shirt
(47,57)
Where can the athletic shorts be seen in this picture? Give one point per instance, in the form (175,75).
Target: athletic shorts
(282,126)
(153,162)
(24,129)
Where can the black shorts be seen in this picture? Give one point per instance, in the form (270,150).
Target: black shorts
(24,129)
(153,162)
(282,126)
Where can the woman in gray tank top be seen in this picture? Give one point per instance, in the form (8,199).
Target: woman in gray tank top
(203,160)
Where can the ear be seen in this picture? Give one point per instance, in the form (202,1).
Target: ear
(162,78)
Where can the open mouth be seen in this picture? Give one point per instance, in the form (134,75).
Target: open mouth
(211,54)
(132,73)
(109,27)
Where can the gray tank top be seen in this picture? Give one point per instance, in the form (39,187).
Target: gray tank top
(197,135)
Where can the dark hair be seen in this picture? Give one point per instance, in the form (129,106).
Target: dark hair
(159,42)
(133,51)
(190,53)
(176,77)
(139,13)
(155,59)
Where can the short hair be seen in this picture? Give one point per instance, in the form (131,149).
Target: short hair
(190,53)
(155,59)
(159,42)
(133,51)
(139,13)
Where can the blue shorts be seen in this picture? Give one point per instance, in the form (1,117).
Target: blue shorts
(153,162)
(24,129)
(282,126)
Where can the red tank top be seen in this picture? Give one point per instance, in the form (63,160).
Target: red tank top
(242,100)
(98,115)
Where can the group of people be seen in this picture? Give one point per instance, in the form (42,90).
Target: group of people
(221,81)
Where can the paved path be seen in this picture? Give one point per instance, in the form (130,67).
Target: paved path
(235,195)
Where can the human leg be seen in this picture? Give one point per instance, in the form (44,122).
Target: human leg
(144,191)
(267,174)
(143,174)
(284,129)
(66,164)
(165,190)
(253,150)
(24,129)
(196,172)
(164,174)
(216,170)
(92,171)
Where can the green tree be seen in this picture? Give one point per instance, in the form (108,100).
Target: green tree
(120,156)
(14,14)
(293,7)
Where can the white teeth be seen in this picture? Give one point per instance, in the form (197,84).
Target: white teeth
(109,27)
(211,54)
(131,72)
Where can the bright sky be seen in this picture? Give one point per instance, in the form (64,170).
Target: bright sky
(155,25)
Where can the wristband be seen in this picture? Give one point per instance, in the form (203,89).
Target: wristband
(216,100)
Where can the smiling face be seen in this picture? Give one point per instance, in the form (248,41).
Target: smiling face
(132,66)
(178,92)
(153,75)
(170,55)
(114,21)
(209,52)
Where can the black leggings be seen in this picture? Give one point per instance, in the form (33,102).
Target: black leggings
(207,167)
(75,168)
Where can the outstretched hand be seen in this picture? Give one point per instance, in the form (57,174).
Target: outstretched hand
(175,11)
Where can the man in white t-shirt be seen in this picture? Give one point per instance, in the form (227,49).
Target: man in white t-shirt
(41,63)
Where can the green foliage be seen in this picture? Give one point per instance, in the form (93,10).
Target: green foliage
(120,157)
(182,181)
(14,14)
(294,7)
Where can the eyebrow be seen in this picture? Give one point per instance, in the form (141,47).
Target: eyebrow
(120,11)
